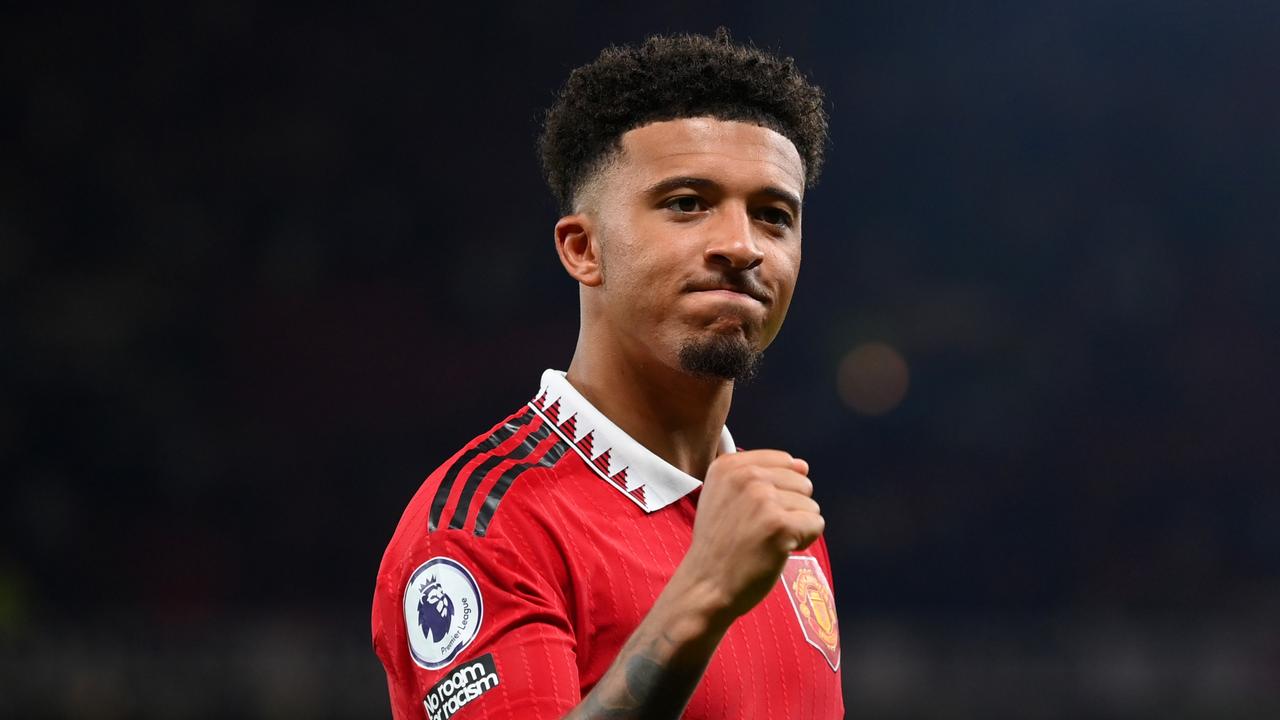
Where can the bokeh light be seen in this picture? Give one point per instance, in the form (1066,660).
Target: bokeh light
(873,378)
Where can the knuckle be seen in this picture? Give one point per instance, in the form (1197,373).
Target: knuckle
(751,490)
(724,463)
(773,522)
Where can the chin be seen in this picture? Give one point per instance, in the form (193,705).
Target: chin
(722,356)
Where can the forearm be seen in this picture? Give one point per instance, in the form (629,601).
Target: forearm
(659,667)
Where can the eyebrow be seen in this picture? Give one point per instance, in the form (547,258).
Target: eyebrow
(666,185)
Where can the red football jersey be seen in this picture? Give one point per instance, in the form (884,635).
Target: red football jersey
(524,563)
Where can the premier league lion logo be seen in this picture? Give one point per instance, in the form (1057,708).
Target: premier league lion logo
(435,611)
(443,611)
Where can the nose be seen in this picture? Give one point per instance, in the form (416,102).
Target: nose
(732,243)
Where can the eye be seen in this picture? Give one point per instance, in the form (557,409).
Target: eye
(686,204)
(775,216)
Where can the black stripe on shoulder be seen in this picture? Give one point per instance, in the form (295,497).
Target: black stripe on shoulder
(496,438)
(549,459)
(519,452)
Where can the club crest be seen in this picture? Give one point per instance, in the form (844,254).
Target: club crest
(815,606)
(442,611)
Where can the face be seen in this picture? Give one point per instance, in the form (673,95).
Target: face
(697,226)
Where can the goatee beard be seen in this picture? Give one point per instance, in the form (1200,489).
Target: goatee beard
(722,357)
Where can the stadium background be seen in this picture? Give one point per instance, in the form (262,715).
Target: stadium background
(263,268)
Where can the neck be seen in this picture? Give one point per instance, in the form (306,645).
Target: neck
(677,416)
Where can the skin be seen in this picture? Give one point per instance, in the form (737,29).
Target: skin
(659,264)
(636,255)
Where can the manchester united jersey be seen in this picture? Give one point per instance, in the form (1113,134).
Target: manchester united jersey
(524,563)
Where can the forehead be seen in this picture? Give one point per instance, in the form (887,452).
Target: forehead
(727,149)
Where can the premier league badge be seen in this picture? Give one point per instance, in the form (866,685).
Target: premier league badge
(442,611)
(815,607)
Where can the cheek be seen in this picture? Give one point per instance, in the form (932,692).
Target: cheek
(788,264)
(640,262)
(628,274)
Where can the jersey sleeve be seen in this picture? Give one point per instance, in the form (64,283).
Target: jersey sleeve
(474,627)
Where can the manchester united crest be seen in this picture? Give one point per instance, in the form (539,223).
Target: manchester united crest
(815,606)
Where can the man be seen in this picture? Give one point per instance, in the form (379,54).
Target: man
(606,551)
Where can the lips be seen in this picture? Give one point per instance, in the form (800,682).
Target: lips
(750,290)
(734,294)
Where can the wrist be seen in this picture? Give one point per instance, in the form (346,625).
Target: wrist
(697,608)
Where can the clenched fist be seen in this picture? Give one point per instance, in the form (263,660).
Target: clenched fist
(756,507)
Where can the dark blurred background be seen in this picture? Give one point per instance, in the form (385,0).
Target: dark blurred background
(263,268)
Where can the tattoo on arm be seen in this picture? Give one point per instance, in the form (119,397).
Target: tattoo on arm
(642,683)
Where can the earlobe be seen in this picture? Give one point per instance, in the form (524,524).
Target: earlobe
(579,249)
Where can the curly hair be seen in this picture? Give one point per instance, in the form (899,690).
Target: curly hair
(670,77)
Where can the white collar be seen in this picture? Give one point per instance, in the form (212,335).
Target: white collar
(650,482)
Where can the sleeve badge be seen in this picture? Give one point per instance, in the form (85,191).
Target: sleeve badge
(810,595)
(442,611)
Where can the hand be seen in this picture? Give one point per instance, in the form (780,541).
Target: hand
(756,507)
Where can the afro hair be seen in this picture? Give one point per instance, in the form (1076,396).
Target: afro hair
(671,77)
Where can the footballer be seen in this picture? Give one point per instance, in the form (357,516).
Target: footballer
(607,551)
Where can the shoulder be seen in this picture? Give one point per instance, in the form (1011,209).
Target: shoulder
(484,492)
(473,518)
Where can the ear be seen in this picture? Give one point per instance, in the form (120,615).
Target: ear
(579,249)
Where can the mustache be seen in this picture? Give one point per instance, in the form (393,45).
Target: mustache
(745,284)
